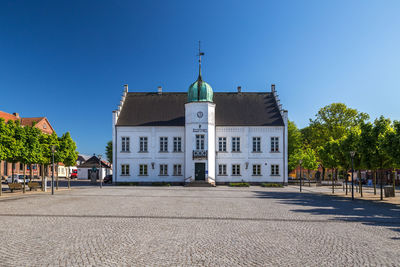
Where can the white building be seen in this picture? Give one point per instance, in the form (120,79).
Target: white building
(200,136)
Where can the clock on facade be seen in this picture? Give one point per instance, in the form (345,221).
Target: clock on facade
(200,114)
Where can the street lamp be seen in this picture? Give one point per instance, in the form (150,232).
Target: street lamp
(53,150)
(352,153)
(300,162)
(100,177)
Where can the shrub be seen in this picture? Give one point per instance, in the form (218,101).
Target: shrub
(271,185)
(128,183)
(160,184)
(239,184)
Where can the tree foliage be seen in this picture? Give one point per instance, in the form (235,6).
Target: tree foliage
(109,151)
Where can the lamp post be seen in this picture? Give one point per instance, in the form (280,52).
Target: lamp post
(300,162)
(100,175)
(352,153)
(53,149)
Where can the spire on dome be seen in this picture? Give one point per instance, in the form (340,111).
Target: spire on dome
(199,55)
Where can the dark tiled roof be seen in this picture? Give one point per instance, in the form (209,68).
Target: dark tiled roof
(168,109)
(93,162)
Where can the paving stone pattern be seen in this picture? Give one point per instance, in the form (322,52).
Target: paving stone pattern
(177,226)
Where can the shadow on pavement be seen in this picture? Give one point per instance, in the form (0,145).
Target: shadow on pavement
(343,209)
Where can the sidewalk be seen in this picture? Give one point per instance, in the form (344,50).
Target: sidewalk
(368,193)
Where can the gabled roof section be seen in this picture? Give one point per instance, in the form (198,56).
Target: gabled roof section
(7,116)
(37,120)
(93,162)
(168,109)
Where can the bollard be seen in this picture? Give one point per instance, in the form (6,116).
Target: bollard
(1,186)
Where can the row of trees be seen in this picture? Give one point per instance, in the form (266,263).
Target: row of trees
(334,132)
(28,145)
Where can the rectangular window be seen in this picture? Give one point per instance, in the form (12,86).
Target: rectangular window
(125,169)
(200,141)
(257,169)
(222,144)
(274,144)
(235,144)
(143,144)
(125,144)
(275,169)
(143,170)
(21,167)
(163,169)
(236,169)
(222,169)
(256,144)
(163,144)
(177,144)
(177,169)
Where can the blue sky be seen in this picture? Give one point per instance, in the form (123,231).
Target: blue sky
(68,60)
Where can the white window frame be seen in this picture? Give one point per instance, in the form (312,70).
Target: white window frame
(163,144)
(275,170)
(143,170)
(163,170)
(177,169)
(256,169)
(125,143)
(222,170)
(274,144)
(235,144)
(143,144)
(177,144)
(221,144)
(256,144)
(236,170)
(200,143)
(125,170)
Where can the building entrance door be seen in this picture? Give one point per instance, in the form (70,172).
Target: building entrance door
(200,171)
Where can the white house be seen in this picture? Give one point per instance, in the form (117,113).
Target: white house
(92,167)
(200,135)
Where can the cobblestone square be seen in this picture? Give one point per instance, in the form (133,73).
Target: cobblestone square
(178,226)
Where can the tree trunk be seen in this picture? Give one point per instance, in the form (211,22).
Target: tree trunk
(56,176)
(381,185)
(333,182)
(360,183)
(394,182)
(23,187)
(375,174)
(68,178)
(323,174)
(30,172)
(42,172)
(12,172)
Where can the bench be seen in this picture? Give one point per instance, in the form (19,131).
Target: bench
(33,185)
(15,186)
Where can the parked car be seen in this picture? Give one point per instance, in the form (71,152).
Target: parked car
(108,179)
(17,179)
(74,174)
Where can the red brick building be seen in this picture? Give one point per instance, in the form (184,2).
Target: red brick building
(41,123)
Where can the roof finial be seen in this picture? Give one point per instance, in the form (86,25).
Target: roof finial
(199,55)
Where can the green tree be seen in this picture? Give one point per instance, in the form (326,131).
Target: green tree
(109,150)
(70,155)
(14,143)
(31,151)
(332,123)
(294,144)
(4,140)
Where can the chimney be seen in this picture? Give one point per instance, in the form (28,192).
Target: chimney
(272,87)
(159,90)
(125,87)
(239,89)
(16,115)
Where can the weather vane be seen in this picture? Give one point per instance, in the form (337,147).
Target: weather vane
(199,55)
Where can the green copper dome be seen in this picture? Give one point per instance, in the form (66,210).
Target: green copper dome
(200,91)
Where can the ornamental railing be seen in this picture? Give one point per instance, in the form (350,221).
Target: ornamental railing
(200,154)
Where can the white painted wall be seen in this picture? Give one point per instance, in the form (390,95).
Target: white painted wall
(265,158)
(204,124)
(134,158)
